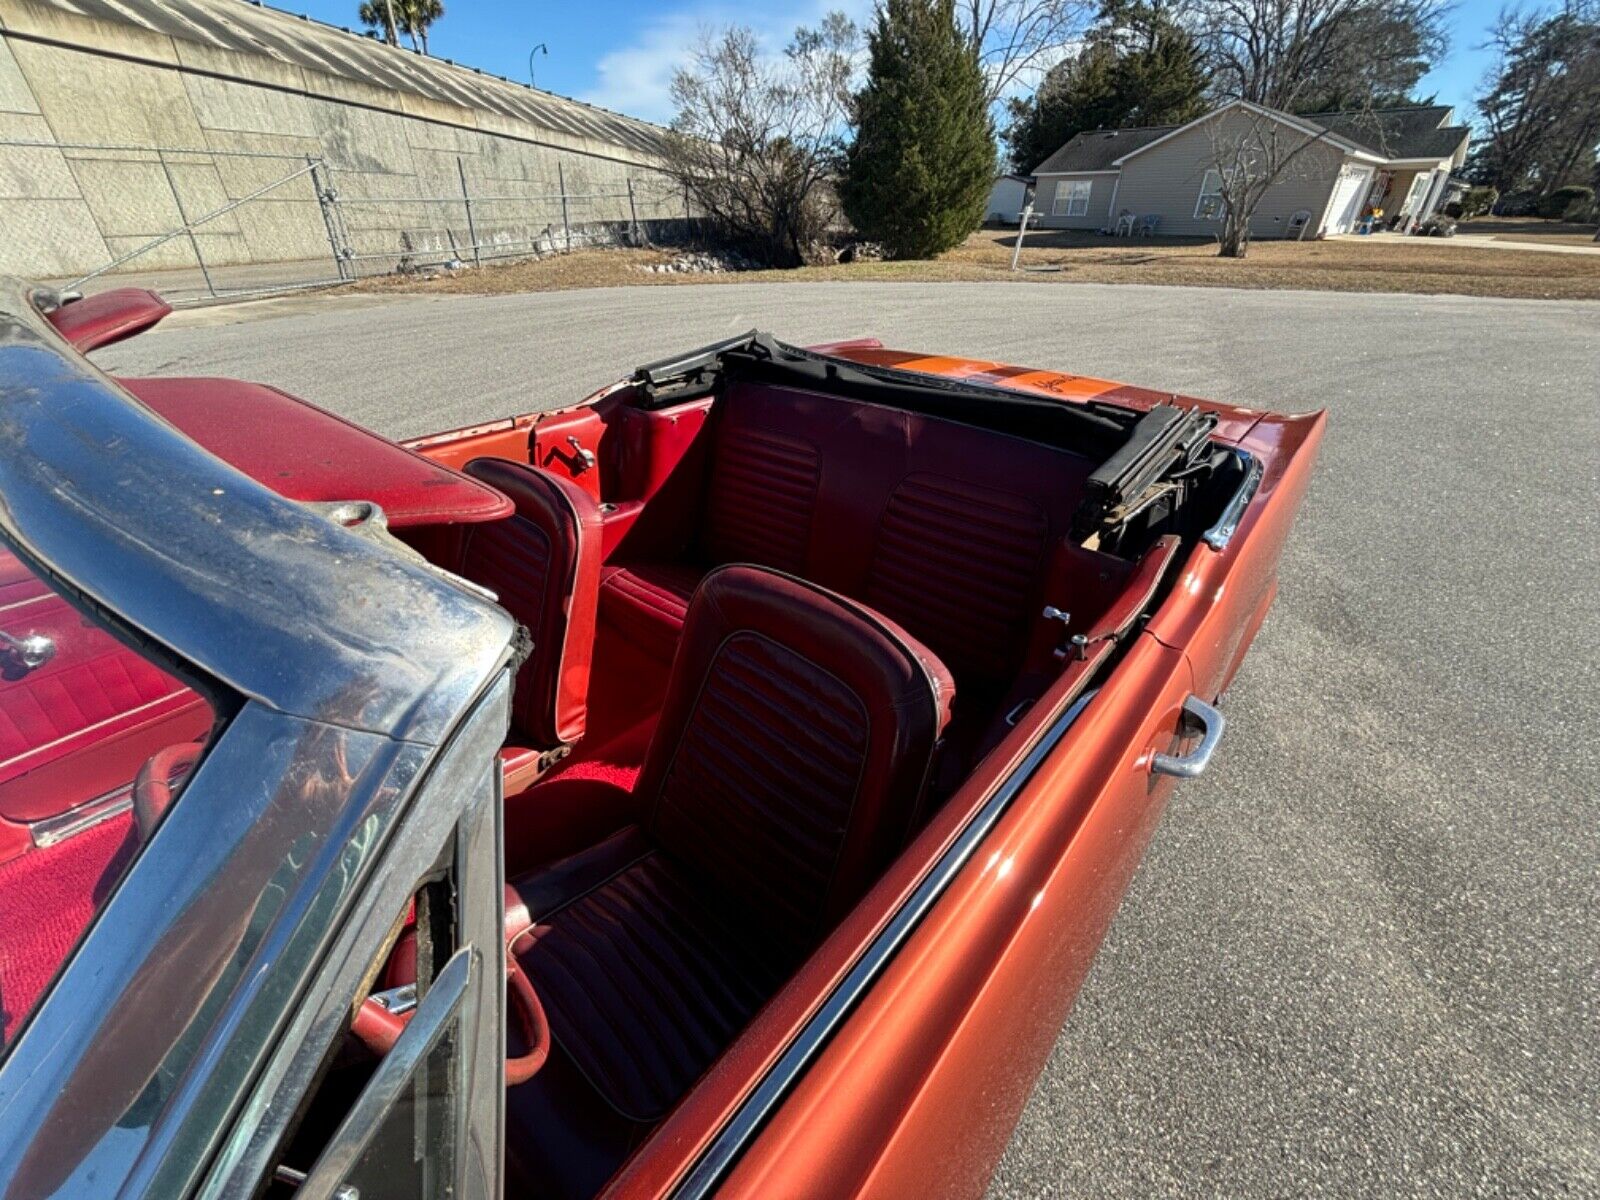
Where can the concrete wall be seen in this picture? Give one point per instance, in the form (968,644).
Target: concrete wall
(1166,180)
(227,92)
(1099,215)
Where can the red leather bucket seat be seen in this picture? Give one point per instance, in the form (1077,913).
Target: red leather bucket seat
(544,564)
(795,741)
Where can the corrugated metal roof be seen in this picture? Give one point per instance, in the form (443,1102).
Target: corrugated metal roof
(249,28)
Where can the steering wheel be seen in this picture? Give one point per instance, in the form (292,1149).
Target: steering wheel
(153,785)
(378,1028)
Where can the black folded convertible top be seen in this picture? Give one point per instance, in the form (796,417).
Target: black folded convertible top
(1096,431)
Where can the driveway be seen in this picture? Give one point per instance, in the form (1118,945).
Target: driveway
(1363,954)
(1481,241)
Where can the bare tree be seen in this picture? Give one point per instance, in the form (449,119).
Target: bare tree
(1541,105)
(757,140)
(1013,38)
(1279,53)
(1251,150)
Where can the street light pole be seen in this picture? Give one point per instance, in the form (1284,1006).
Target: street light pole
(540,48)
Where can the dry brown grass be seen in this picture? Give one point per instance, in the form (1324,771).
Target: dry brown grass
(1344,265)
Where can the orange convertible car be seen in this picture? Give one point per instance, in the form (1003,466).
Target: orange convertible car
(719,786)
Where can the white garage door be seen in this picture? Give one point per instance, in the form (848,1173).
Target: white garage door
(1348,193)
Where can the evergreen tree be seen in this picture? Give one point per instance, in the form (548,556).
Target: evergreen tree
(918,173)
(1138,67)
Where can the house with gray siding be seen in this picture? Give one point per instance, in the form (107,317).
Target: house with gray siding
(1396,160)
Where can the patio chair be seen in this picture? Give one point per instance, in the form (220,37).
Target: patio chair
(1148,226)
(1126,220)
(1297,225)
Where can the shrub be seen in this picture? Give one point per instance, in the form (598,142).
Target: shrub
(1554,206)
(1518,204)
(1479,200)
(1580,212)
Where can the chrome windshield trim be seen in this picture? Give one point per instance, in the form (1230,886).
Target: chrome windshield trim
(459,795)
(268,597)
(1220,534)
(346,667)
(747,1120)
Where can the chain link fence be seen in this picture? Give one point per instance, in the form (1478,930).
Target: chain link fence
(481,223)
(205,225)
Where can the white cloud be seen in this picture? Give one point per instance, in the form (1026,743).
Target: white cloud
(635,78)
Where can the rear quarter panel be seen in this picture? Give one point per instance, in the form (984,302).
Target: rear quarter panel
(1222,597)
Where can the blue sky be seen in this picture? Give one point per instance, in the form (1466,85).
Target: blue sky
(621,54)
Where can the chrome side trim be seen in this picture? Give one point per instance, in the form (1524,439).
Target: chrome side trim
(1218,536)
(730,1140)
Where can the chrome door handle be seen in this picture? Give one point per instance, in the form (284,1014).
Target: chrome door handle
(1193,764)
(19,655)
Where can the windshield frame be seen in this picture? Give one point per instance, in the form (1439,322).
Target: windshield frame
(352,663)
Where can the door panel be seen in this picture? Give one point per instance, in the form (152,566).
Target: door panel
(569,444)
(83,721)
(919,1090)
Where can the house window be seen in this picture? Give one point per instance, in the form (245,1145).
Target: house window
(1071,198)
(1209,206)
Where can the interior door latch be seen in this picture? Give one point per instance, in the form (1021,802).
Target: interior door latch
(582,455)
(19,655)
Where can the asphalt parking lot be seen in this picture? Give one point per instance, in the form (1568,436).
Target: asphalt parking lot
(1362,957)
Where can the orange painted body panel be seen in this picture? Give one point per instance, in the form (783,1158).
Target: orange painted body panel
(1232,423)
(1221,599)
(500,439)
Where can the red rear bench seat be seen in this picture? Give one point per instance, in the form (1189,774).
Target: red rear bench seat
(946,529)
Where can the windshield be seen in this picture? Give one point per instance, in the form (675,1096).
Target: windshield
(95,739)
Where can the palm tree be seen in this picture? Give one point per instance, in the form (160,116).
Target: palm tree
(416,16)
(390,16)
(378,15)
